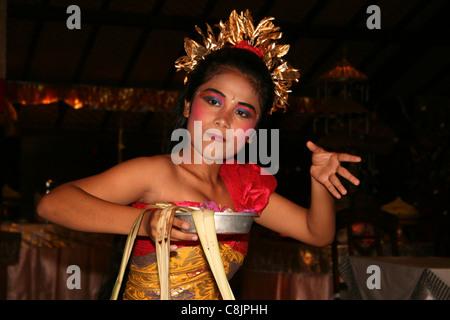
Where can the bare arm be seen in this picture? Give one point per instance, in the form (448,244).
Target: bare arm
(101,203)
(315,225)
(72,207)
(97,203)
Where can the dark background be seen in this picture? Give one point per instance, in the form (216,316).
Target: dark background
(135,43)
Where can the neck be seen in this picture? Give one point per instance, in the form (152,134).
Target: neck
(205,169)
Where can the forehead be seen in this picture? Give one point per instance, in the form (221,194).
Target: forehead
(234,84)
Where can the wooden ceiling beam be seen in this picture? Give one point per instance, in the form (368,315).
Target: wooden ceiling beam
(339,38)
(89,43)
(263,10)
(33,43)
(139,45)
(101,16)
(409,52)
(399,31)
(431,83)
(183,23)
(209,7)
(295,32)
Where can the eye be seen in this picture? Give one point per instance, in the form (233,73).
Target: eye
(243,113)
(213,101)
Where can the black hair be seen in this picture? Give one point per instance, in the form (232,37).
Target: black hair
(221,61)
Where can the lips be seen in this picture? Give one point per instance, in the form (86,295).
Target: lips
(216,137)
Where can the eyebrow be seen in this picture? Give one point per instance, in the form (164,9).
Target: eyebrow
(214,90)
(223,95)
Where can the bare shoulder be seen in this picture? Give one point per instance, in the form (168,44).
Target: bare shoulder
(130,180)
(154,166)
(160,165)
(157,176)
(153,160)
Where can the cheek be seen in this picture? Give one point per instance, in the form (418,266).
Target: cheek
(198,113)
(249,126)
(242,135)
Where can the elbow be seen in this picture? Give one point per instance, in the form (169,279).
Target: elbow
(324,243)
(324,240)
(321,244)
(43,208)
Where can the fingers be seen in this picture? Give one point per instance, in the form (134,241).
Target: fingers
(338,185)
(180,224)
(313,147)
(342,157)
(347,175)
(178,235)
(331,187)
(345,157)
(335,186)
(327,165)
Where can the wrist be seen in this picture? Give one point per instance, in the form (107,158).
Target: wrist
(144,228)
(318,189)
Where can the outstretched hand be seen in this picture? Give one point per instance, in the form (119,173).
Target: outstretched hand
(326,165)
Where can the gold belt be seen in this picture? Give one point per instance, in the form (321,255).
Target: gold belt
(190,275)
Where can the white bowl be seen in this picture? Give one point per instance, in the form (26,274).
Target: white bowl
(226,222)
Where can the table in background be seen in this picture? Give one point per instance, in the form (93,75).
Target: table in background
(47,250)
(401,278)
(287,270)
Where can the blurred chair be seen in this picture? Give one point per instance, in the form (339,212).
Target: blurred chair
(366,232)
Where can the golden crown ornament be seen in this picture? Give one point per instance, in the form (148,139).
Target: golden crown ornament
(239,31)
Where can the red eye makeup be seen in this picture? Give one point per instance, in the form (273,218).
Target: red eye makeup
(216,98)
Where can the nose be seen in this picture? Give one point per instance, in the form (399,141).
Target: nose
(222,119)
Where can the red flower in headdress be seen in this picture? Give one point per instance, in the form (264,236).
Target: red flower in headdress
(245,45)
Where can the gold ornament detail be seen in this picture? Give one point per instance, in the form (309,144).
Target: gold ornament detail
(240,31)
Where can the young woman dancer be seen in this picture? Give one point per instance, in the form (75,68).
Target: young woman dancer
(230,87)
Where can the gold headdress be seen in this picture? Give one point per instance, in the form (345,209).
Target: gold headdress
(240,32)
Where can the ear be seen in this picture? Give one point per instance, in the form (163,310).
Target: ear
(187,109)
